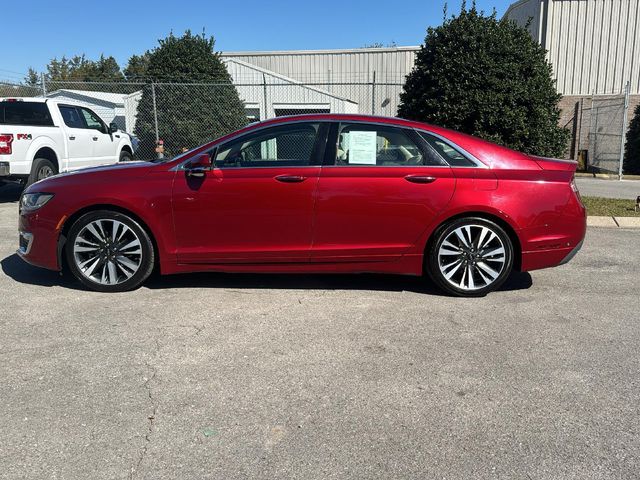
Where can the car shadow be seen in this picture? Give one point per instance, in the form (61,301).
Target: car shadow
(22,272)
(10,192)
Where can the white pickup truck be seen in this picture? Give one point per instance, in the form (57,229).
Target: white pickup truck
(40,137)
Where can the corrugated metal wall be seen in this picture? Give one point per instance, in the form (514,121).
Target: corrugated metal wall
(346,73)
(593,45)
(330,66)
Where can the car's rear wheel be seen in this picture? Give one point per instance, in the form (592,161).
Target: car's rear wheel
(109,251)
(42,168)
(470,257)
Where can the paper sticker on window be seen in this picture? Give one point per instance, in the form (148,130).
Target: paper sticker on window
(362,148)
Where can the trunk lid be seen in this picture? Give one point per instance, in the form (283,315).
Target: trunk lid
(555,164)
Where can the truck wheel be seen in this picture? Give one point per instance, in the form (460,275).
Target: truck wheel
(41,169)
(125,156)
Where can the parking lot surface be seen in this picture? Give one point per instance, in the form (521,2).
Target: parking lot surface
(361,376)
(608,188)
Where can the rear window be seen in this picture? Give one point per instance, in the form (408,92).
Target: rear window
(25,113)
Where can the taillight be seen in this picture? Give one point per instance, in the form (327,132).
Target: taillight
(6,139)
(574,187)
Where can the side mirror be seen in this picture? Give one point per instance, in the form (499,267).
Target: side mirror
(198,165)
(113,127)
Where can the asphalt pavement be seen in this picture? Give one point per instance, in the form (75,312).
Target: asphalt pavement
(213,376)
(608,188)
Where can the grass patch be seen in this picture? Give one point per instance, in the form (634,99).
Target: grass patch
(611,207)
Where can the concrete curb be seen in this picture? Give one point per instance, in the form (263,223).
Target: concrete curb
(613,222)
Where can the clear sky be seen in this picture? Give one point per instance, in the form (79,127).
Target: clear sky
(34,32)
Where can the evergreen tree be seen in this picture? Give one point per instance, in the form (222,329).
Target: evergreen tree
(631,163)
(489,78)
(190,110)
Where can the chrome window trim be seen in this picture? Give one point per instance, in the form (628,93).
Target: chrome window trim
(473,158)
(455,146)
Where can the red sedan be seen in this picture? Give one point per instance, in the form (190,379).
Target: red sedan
(313,193)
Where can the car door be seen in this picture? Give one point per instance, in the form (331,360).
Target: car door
(79,139)
(379,190)
(105,145)
(256,204)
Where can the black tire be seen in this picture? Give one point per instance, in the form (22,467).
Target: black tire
(472,260)
(125,156)
(108,247)
(41,169)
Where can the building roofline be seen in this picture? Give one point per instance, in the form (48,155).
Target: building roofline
(338,51)
(289,80)
(515,5)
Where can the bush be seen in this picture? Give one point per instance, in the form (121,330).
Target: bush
(488,78)
(190,109)
(631,163)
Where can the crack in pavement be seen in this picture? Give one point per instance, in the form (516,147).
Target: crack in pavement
(154,407)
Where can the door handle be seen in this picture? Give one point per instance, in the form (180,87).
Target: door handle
(419,179)
(95,139)
(290,178)
(72,138)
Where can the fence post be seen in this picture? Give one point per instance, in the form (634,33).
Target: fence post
(264,97)
(623,137)
(373,94)
(155,117)
(44,85)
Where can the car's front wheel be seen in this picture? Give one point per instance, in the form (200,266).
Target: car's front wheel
(470,257)
(109,251)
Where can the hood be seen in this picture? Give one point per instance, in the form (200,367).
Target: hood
(100,173)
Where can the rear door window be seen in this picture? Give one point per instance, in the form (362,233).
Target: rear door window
(71,117)
(35,114)
(362,145)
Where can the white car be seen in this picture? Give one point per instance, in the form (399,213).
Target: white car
(40,137)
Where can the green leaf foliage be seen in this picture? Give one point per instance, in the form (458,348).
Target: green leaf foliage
(195,98)
(631,163)
(488,78)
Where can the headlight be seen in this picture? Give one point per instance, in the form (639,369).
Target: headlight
(33,201)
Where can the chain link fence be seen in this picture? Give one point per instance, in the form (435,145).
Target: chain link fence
(607,131)
(180,116)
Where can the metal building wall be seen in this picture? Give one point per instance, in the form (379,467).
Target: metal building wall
(346,73)
(593,45)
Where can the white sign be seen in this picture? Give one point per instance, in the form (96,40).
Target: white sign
(362,148)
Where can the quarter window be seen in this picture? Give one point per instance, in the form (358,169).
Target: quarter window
(286,145)
(364,145)
(452,156)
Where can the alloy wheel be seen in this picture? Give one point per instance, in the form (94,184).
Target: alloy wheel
(44,172)
(471,257)
(107,251)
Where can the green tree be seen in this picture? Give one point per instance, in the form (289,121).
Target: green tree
(80,69)
(632,147)
(199,105)
(489,78)
(136,69)
(32,79)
